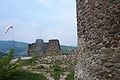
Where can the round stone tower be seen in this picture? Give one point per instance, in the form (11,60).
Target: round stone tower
(98,25)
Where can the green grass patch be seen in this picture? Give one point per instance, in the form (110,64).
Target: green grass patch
(57,71)
(70,76)
(56,75)
(25,75)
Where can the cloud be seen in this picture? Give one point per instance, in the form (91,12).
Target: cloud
(51,19)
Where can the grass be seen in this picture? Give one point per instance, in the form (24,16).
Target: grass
(57,71)
(56,75)
(25,75)
(70,76)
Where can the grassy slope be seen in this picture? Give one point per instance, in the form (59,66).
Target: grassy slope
(25,75)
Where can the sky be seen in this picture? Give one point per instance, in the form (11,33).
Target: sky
(39,19)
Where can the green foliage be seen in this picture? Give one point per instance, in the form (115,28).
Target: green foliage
(7,68)
(57,71)
(11,70)
(56,67)
(67,49)
(70,76)
(56,75)
(25,75)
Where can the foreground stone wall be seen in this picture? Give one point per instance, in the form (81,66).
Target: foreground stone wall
(98,24)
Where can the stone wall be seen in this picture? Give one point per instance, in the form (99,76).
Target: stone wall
(40,47)
(98,24)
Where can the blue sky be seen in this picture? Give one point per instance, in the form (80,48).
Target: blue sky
(39,19)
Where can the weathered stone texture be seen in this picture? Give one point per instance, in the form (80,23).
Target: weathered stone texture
(53,47)
(52,58)
(40,47)
(36,48)
(98,24)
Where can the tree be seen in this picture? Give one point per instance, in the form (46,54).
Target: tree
(8,68)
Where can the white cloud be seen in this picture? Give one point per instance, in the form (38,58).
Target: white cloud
(56,20)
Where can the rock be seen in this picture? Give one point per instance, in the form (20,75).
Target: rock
(109,64)
(117,65)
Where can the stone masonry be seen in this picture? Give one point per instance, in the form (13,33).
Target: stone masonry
(40,47)
(53,47)
(98,28)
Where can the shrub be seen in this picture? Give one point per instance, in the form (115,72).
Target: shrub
(7,68)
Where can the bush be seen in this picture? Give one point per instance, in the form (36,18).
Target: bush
(7,68)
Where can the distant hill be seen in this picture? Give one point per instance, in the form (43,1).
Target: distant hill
(22,47)
(67,49)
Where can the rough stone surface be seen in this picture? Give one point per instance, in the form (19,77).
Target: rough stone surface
(98,28)
(40,47)
(51,59)
(53,47)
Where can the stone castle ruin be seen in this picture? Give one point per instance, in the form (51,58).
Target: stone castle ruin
(98,24)
(40,47)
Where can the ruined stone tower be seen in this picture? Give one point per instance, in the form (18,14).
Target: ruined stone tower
(98,24)
(40,47)
(36,48)
(53,47)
